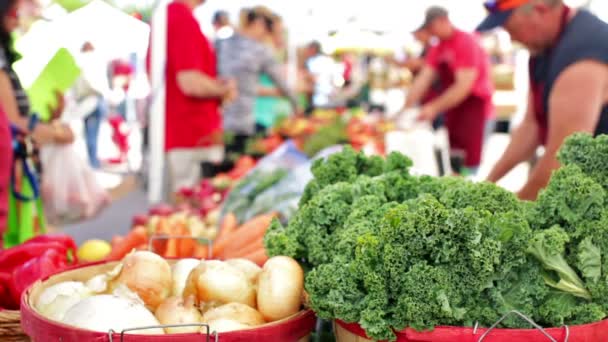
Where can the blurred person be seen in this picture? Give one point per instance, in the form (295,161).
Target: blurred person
(223,29)
(244,57)
(463,68)
(15,107)
(92,91)
(121,76)
(193,124)
(269,106)
(569,81)
(322,70)
(221,25)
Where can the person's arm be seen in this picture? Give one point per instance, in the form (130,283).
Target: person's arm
(194,83)
(574,106)
(523,145)
(453,96)
(421,85)
(42,133)
(272,68)
(268,91)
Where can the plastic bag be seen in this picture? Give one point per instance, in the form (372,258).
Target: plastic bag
(247,199)
(70,190)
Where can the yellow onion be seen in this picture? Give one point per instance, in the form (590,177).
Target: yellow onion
(251,269)
(236,312)
(214,283)
(180,272)
(148,275)
(103,313)
(175,310)
(280,288)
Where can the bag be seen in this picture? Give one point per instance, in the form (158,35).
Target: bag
(70,190)
(25,215)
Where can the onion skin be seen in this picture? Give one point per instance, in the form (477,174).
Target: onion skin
(180,272)
(175,310)
(251,269)
(104,312)
(215,282)
(237,312)
(148,275)
(280,288)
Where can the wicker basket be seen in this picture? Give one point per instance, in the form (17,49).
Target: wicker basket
(10,327)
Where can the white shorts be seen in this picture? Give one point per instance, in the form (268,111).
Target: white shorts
(184,164)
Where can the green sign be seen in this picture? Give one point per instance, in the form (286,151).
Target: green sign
(59,74)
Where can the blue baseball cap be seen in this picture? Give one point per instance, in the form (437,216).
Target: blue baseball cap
(499,12)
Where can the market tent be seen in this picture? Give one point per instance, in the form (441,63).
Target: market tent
(113,32)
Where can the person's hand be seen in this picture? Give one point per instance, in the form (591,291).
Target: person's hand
(63,133)
(427,113)
(58,109)
(231,90)
(43,134)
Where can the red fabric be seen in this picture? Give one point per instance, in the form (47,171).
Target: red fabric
(596,332)
(6,158)
(190,122)
(461,51)
(466,128)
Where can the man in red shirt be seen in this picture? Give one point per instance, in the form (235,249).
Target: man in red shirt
(193,132)
(463,68)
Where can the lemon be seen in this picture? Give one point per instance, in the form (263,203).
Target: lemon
(94,250)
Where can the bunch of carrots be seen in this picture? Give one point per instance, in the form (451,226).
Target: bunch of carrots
(233,241)
(245,241)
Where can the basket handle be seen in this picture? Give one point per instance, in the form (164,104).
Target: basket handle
(168,237)
(208,334)
(525,318)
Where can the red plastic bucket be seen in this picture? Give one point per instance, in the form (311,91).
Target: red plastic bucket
(596,332)
(40,329)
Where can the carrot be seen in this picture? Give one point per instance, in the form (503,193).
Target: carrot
(201,251)
(229,225)
(185,247)
(171,251)
(249,232)
(259,257)
(142,247)
(117,240)
(238,253)
(135,238)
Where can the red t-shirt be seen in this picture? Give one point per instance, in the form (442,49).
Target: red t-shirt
(190,122)
(462,50)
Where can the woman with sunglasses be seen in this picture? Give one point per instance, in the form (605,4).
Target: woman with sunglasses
(15,106)
(243,58)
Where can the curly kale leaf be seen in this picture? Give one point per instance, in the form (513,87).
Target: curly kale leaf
(589,154)
(570,199)
(548,248)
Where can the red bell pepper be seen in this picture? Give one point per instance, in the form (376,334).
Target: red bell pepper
(49,263)
(63,239)
(37,258)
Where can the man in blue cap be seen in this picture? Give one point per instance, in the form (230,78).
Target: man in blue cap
(568,81)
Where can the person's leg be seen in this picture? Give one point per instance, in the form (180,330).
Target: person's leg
(184,169)
(92,123)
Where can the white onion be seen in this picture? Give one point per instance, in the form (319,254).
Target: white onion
(175,311)
(180,272)
(103,313)
(148,275)
(56,300)
(280,288)
(215,282)
(223,326)
(237,312)
(251,269)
